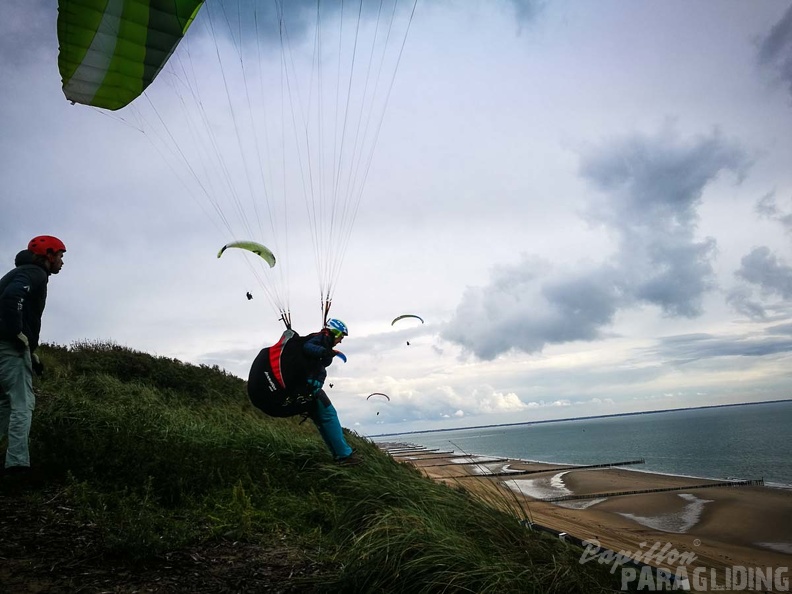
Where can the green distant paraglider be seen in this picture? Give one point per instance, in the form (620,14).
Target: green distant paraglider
(251,246)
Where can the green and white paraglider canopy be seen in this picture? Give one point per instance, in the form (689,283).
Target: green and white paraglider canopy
(251,246)
(261,109)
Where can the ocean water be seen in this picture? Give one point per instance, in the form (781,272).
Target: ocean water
(752,441)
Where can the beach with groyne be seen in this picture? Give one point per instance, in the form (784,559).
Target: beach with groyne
(614,506)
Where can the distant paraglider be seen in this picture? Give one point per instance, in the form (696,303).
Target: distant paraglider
(249,295)
(251,246)
(401,317)
(378,394)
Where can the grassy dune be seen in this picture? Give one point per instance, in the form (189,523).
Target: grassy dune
(160,456)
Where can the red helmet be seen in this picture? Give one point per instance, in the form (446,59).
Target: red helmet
(43,243)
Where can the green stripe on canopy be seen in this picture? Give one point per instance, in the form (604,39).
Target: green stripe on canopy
(111,50)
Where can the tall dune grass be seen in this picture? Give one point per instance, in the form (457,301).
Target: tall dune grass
(162,455)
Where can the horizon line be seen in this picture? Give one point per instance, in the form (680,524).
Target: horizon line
(626,414)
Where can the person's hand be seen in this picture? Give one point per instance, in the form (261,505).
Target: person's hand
(314,385)
(38,366)
(22,342)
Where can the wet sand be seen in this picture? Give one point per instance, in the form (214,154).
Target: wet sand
(723,526)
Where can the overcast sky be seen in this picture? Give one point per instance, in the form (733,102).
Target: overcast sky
(589,204)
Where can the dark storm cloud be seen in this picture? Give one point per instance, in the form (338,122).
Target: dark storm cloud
(650,189)
(775,50)
(763,268)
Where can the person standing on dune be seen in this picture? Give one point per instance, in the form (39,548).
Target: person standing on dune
(23,295)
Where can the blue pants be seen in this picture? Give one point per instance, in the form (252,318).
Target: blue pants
(17,402)
(326,420)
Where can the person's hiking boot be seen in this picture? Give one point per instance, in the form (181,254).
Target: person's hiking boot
(14,479)
(15,471)
(352,460)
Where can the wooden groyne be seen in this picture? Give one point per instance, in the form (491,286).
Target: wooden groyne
(490,461)
(746,483)
(405,451)
(435,456)
(431,454)
(563,468)
(535,471)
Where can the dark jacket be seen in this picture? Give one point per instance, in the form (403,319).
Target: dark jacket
(318,351)
(23,295)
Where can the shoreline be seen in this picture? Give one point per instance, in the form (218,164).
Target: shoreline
(721,524)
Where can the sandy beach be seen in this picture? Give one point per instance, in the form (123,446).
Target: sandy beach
(703,523)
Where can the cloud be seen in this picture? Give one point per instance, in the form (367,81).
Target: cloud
(693,347)
(767,207)
(766,270)
(496,402)
(741,299)
(25,26)
(291,22)
(526,11)
(527,306)
(762,269)
(783,329)
(446,402)
(775,50)
(649,192)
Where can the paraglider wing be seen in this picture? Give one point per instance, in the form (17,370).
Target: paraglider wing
(251,246)
(378,394)
(111,50)
(397,318)
(340,355)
